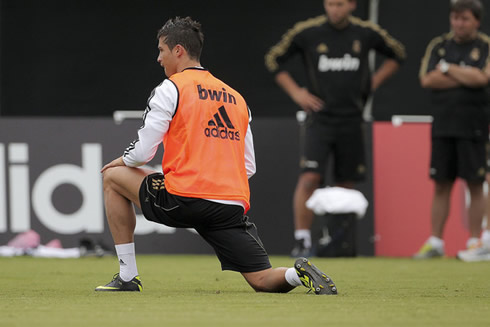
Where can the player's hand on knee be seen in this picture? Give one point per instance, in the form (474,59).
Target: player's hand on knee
(114,163)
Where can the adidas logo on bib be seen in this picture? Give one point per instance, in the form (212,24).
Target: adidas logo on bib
(220,126)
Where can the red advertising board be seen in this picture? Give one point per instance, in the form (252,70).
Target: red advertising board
(403,192)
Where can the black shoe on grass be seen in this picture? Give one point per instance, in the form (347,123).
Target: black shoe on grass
(300,250)
(313,279)
(117,284)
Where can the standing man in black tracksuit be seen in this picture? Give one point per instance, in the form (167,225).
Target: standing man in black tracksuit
(334,48)
(456,68)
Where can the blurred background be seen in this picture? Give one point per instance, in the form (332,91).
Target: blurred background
(91,57)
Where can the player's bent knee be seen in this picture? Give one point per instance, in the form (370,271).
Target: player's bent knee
(258,286)
(255,280)
(263,281)
(109,177)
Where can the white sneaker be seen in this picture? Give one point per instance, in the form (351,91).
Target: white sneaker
(481,253)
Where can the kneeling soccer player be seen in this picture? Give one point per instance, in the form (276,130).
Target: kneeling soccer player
(208,157)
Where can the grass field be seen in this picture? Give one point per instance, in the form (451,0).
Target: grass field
(192,291)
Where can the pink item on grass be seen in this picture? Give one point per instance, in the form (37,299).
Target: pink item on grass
(26,240)
(56,243)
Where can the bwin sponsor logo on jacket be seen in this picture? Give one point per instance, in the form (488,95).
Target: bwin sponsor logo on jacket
(217,128)
(346,63)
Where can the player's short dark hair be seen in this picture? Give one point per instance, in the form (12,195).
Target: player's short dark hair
(183,31)
(475,6)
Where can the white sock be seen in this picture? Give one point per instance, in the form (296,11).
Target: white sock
(472,242)
(304,234)
(292,277)
(436,242)
(485,238)
(127,261)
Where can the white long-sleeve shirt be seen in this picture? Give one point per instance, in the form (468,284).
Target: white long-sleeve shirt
(159,112)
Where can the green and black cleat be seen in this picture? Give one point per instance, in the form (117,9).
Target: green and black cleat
(117,284)
(313,279)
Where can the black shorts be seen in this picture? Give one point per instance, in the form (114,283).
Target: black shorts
(344,141)
(455,157)
(233,237)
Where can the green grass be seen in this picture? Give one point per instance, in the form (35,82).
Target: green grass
(192,291)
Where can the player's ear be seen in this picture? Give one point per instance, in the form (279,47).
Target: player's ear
(179,50)
(353,5)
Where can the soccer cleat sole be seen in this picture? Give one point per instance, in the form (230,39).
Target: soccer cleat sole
(312,278)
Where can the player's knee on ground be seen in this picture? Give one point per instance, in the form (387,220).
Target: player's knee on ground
(268,280)
(257,281)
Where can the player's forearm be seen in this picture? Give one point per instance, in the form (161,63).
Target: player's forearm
(468,76)
(249,153)
(437,80)
(138,155)
(287,83)
(150,135)
(387,69)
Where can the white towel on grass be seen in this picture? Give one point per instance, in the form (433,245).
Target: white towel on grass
(48,252)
